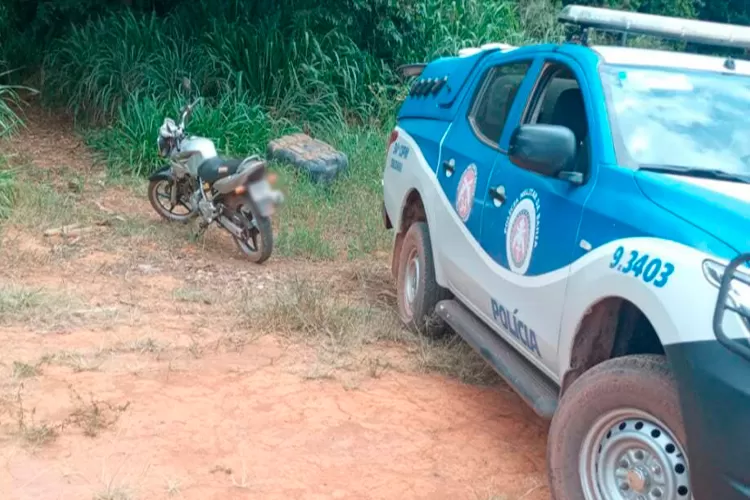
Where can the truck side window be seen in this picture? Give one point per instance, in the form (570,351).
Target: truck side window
(558,100)
(493,100)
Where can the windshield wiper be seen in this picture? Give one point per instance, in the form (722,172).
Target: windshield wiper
(705,173)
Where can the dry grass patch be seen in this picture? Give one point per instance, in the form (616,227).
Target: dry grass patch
(43,309)
(91,417)
(21,370)
(80,361)
(36,435)
(309,312)
(173,487)
(194,295)
(453,357)
(65,202)
(40,206)
(27,305)
(350,333)
(77,361)
(32,433)
(141,345)
(112,492)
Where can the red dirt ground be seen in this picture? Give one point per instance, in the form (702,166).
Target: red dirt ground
(205,422)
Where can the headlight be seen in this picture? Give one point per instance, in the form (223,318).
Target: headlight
(164,144)
(738,297)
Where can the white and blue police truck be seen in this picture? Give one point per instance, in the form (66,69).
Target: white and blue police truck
(578,213)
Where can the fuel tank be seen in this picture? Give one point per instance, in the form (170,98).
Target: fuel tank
(197,150)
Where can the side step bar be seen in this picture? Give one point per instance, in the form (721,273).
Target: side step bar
(532,385)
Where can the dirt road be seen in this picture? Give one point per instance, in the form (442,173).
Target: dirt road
(139,364)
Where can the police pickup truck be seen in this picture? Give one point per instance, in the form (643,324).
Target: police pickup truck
(578,213)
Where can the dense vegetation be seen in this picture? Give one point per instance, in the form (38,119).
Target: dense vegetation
(264,67)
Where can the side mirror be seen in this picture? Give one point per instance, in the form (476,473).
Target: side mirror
(546,149)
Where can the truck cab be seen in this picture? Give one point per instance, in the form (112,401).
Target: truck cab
(577,214)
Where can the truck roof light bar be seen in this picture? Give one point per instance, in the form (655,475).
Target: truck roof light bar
(470,51)
(674,28)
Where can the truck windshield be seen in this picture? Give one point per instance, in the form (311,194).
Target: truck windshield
(679,118)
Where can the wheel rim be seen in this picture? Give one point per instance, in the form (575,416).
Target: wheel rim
(253,242)
(630,455)
(411,280)
(163,196)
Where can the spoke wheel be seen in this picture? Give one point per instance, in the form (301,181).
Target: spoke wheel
(160,196)
(257,240)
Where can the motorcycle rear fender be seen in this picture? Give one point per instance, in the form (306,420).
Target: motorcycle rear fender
(163,174)
(247,173)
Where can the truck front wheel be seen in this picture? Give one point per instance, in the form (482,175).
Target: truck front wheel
(618,434)
(418,293)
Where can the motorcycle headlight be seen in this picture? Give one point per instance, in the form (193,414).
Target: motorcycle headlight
(164,144)
(738,297)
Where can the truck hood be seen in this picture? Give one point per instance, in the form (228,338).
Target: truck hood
(721,208)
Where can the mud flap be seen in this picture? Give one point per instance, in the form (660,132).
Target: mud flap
(165,173)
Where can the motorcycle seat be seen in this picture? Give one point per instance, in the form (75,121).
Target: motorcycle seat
(213,169)
(251,171)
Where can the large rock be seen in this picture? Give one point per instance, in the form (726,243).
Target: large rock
(318,159)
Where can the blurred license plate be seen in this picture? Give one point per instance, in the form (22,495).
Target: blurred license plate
(260,192)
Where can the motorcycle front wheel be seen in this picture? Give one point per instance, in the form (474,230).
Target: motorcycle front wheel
(160,197)
(258,243)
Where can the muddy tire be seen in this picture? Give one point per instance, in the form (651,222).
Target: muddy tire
(619,430)
(259,247)
(417,291)
(154,197)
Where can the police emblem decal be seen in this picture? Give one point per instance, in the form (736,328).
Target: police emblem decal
(467,186)
(522,231)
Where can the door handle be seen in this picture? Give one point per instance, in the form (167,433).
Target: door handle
(498,195)
(449,166)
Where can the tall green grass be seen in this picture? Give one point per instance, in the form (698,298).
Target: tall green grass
(10,104)
(7,190)
(297,67)
(9,122)
(293,67)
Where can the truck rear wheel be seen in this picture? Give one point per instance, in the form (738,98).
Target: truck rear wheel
(618,434)
(418,293)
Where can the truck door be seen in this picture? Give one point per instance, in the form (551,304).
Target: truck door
(468,153)
(530,222)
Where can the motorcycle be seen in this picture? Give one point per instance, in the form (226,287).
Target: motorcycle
(236,194)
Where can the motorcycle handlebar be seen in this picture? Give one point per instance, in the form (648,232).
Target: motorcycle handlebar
(188,110)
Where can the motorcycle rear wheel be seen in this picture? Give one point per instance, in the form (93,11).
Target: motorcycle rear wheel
(259,246)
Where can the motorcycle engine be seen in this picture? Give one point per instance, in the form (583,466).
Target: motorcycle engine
(207,210)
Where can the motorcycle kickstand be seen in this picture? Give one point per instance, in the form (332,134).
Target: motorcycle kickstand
(200,230)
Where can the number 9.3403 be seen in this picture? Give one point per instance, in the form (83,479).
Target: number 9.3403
(652,270)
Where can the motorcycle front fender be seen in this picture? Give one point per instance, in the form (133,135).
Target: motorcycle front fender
(163,174)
